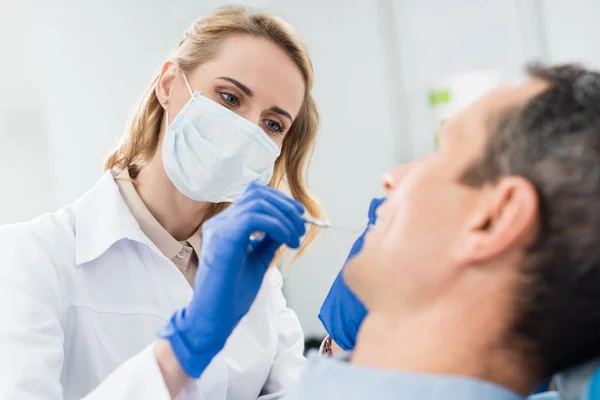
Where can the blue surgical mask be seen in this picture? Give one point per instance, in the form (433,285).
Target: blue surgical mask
(212,154)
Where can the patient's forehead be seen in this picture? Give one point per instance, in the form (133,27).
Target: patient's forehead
(502,100)
(515,95)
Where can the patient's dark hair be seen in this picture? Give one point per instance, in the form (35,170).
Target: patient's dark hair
(554,141)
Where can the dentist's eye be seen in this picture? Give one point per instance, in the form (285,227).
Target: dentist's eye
(230,98)
(273,126)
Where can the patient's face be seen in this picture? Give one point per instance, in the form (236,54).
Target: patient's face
(412,255)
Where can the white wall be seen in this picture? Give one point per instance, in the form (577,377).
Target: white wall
(27,184)
(571,31)
(437,38)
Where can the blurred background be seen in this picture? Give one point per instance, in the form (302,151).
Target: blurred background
(71,70)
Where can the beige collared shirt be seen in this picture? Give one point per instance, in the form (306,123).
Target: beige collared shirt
(183,254)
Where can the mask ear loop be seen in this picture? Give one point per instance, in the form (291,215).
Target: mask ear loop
(187,84)
(191,95)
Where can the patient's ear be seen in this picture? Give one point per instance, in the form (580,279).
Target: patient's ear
(504,219)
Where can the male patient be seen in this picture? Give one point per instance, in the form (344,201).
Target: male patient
(482,277)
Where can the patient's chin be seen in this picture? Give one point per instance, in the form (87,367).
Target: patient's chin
(356,275)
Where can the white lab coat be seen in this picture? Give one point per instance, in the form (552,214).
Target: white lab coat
(82,294)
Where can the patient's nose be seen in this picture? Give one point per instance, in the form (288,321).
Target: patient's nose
(394,176)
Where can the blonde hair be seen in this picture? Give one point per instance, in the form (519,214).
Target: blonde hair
(199,45)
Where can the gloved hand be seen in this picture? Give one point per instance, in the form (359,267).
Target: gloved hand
(342,312)
(230,272)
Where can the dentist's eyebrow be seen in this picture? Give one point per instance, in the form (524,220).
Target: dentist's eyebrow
(240,85)
(282,112)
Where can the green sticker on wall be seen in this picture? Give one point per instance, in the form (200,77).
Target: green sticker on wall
(439,97)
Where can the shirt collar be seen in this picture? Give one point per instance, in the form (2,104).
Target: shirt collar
(331,375)
(102,219)
(166,243)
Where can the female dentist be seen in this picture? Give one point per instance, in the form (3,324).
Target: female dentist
(84,291)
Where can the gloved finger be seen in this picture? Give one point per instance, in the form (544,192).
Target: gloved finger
(282,203)
(251,223)
(293,235)
(292,222)
(267,247)
(375,203)
(255,189)
(272,227)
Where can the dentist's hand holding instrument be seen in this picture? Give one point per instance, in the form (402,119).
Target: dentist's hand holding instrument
(232,265)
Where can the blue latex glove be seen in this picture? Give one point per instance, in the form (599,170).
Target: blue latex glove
(342,312)
(230,272)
